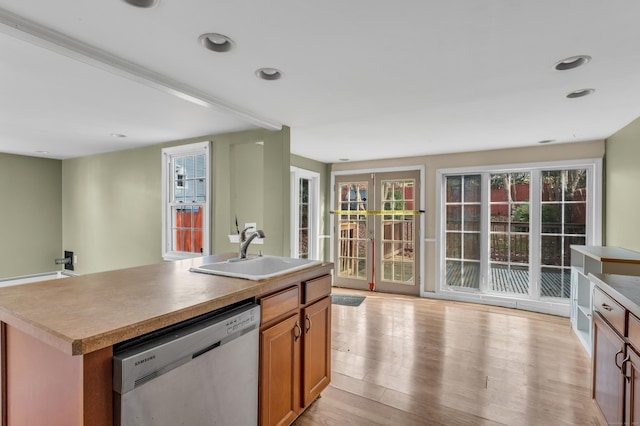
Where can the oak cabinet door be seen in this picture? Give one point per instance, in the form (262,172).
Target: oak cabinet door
(317,349)
(608,381)
(280,372)
(632,366)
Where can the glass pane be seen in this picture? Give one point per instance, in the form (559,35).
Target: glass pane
(304,190)
(471,218)
(551,218)
(472,246)
(387,271)
(552,185)
(509,279)
(362,272)
(454,189)
(555,282)
(471,275)
(454,217)
(304,215)
(472,189)
(575,187)
(520,218)
(303,240)
(499,247)
(570,240)
(520,187)
(354,196)
(454,245)
(551,250)
(200,167)
(454,273)
(519,246)
(200,190)
(499,186)
(575,215)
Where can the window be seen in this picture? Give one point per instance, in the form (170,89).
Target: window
(304,213)
(508,232)
(185,199)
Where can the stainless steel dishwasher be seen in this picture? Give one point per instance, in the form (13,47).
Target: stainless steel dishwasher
(199,373)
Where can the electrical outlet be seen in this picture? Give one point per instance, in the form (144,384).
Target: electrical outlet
(75,259)
(69,255)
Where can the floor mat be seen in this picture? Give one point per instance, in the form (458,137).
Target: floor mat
(346,300)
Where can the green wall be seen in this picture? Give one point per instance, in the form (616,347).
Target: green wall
(30,215)
(112,209)
(621,179)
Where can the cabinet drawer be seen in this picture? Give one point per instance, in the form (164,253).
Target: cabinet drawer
(611,310)
(317,288)
(633,331)
(279,304)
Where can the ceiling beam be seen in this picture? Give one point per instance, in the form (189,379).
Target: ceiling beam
(28,31)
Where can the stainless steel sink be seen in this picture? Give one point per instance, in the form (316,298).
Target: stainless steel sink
(256,268)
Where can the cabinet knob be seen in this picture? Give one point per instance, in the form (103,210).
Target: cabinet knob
(607,307)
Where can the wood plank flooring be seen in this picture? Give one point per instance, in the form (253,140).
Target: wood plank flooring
(400,360)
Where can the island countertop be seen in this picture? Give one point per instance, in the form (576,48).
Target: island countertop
(623,288)
(82,314)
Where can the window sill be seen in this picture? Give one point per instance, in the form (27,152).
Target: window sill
(170,257)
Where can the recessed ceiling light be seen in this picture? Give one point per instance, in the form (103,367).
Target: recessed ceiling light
(216,42)
(580,93)
(118,135)
(343,159)
(572,62)
(547,141)
(42,152)
(268,74)
(142,3)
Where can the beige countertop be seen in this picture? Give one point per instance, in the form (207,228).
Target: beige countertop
(608,254)
(624,289)
(82,314)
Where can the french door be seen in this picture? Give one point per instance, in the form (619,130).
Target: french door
(376,231)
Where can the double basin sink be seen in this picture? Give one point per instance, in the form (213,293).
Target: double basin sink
(255,268)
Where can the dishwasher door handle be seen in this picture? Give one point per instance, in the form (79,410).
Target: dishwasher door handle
(205,350)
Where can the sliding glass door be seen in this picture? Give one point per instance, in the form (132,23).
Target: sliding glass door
(509,233)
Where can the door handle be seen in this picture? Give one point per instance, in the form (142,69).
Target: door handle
(299,329)
(623,368)
(615,359)
(308,318)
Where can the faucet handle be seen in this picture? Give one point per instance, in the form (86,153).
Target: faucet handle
(243,234)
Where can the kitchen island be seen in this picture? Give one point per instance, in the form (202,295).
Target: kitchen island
(57,337)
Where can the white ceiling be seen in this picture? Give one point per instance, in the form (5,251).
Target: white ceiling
(362,79)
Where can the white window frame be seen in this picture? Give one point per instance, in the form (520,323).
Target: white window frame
(314,207)
(594,232)
(167,191)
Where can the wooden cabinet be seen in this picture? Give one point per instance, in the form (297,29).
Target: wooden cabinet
(595,260)
(295,350)
(632,389)
(616,349)
(608,381)
(280,372)
(317,349)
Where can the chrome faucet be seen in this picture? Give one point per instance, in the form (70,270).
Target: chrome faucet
(244,241)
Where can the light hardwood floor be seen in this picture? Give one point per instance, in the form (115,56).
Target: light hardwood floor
(400,360)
